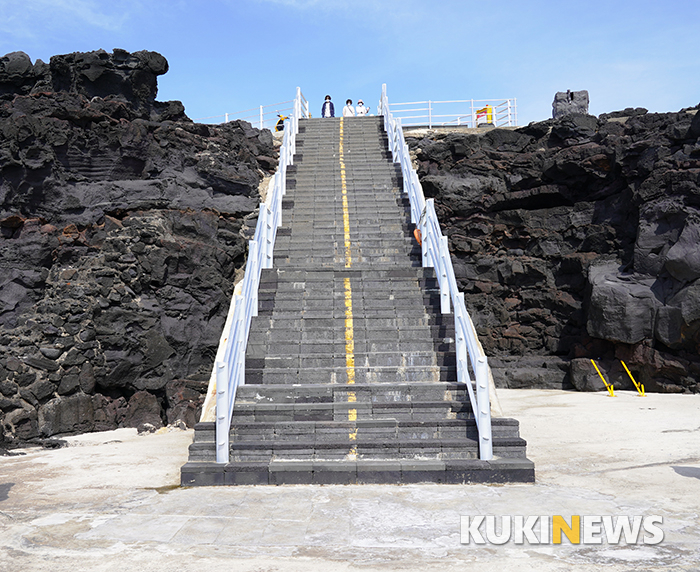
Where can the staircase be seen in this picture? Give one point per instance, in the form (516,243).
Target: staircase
(350,371)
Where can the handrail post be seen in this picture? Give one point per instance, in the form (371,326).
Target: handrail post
(484,408)
(270,235)
(444,254)
(222,415)
(460,342)
(426,240)
(430,115)
(253,252)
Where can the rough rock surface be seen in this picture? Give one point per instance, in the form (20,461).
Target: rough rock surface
(123,225)
(570,103)
(577,238)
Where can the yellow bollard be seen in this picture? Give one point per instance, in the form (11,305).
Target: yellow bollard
(639,386)
(608,386)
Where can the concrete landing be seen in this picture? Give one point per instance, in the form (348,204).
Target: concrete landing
(111,501)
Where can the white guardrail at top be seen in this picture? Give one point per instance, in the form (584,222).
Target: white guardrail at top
(262,117)
(229,365)
(437,255)
(464,112)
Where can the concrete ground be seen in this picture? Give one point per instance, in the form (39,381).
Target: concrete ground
(111,501)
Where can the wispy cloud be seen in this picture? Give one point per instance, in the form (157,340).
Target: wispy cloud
(387,9)
(32,19)
(306,4)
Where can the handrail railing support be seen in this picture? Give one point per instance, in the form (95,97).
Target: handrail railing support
(436,254)
(229,366)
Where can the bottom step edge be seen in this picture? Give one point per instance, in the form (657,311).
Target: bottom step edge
(413,471)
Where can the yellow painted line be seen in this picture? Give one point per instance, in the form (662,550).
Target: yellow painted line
(350,361)
(349,338)
(608,386)
(346,211)
(639,386)
(349,327)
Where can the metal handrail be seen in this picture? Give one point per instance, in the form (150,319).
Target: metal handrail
(504,112)
(261,116)
(229,366)
(436,254)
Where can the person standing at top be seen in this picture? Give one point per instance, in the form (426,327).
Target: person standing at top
(327,109)
(348,110)
(361,109)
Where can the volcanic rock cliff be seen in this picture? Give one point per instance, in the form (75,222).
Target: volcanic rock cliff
(577,238)
(123,227)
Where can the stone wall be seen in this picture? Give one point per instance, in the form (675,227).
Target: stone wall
(577,238)
(123,226)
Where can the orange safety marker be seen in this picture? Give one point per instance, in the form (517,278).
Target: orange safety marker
(639,386)
(417,234)
(608,386)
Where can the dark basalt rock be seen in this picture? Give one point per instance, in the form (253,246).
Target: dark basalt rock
(117,77)
(577,238)
(570,103)
(123,226)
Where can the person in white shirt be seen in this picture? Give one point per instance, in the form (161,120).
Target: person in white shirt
(361,109)
(348,110)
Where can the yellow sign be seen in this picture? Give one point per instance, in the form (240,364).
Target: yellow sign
(485,113)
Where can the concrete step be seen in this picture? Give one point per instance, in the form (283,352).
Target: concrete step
(378,448)
(338,411)
(502,427)
(361,393)
(407,471)
(375,373)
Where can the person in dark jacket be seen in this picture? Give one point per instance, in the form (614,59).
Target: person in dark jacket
(327,109)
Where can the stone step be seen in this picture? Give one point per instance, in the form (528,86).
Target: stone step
(360,258)
(367,429)
(352,273)
(444,324)
(271,329)
(336,291)
(339,411)
(376,374)
(367,442)
(372,449)
(374,393)
(281,283)
(348,472)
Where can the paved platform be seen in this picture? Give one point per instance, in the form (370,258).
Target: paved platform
(110,501)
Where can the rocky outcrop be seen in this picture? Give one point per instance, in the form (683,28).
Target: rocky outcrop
(577,238)
(120,76)
(570,103)
(123,226)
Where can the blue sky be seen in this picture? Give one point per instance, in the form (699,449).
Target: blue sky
(230,55)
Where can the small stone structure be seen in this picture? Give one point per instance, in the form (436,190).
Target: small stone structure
(570,103)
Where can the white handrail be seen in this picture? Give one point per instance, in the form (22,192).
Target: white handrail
(436,255)
(229,367)
(261,117)
(464,112)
